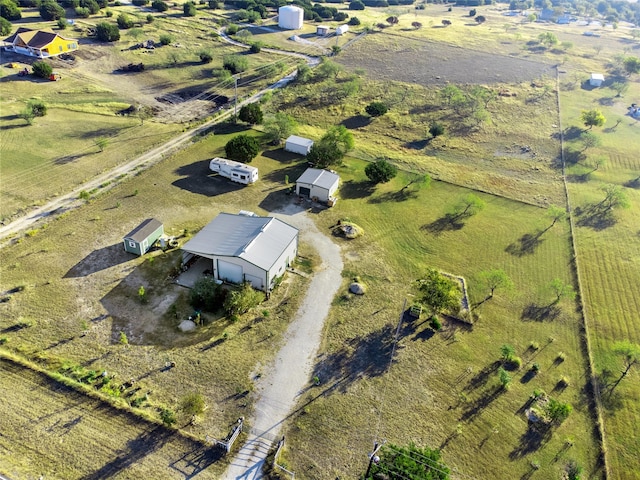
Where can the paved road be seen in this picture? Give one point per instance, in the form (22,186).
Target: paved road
(278,390)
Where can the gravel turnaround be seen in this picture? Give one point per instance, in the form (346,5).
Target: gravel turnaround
(278,389)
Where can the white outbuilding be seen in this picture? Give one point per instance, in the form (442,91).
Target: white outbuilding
(322,30)
(245,248)
(319,185)
(299,145)
(596,79)
(342,29)
(290,17)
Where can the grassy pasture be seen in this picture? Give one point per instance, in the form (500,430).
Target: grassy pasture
(609,256)
(429,390)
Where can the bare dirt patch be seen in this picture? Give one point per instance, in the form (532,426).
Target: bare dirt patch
(431,63)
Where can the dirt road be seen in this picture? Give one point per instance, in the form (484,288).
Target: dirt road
(289,374)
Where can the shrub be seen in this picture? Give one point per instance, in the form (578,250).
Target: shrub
(140,3)
(354,21)
(109,13)
(38,108)
(160,6)
(166,39)
(356,5)
(436,129)
(205,56)
(472,12)
(92,5)
(376,109)
(124,21)
(255,48)
(107,32)
(189,9)
(251,113)
(235,63)
(214,5)
(207,295)
(242,148)
(62,23)
(123,338)
(150,18)
(380,171)
(435,323)
(192,404)
(340,16)
(167,416)
(242,300)
(514,363)
(82,12)
(42,69)
(51,10)
(232,29)
(9,10)
(535,368)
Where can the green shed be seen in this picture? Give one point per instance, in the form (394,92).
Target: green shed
(141,238)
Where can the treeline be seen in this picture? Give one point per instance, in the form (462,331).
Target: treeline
(610,10)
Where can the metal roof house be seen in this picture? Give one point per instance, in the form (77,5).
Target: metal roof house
(141,239)
(39,43)
(596,79)
(319,185)
(245,248)
(299,145)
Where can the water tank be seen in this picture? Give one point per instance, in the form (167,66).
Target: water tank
(290,17)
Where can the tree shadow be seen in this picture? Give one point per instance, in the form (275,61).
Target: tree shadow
(540,313)
(482,377)
(69,158)
(352,189)
(399,196)
(417,144)
(532,440)
(481,403)
(569,133)
(199,179)
(606,101)
(634,183)
(98,260)
(195,461)
(361,357)
(594,217)
(449,222)
(528,376)
(525,245)
(356,121)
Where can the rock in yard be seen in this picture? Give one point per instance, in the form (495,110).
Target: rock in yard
(187,326)
(357,288)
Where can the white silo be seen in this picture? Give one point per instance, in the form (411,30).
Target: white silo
(290,17)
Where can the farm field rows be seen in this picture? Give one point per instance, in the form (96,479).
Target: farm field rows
(440,389)
(84,437)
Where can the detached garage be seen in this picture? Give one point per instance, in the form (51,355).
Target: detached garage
(319,185)
(141,239)
(299,145)
(245,248)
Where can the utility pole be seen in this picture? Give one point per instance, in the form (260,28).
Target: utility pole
(373,458)
(235,110)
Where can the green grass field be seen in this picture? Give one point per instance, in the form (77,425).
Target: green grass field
(609,258)
(438,389)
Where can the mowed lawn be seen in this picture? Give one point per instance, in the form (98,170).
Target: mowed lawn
(440,388)
(609,260)
(51,431)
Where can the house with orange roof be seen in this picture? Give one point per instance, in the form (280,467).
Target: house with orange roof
(39,43)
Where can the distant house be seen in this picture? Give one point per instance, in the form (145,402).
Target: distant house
(547,15)
(596,79)
(322,30)
(319,185)
(245,248)
(342,29)
(39,43)
(141,239)
(299,145)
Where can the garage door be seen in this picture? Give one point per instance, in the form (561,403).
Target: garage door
(255,281)
(305,191)
(229,272)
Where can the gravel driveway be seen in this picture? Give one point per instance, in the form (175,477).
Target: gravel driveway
(278,389)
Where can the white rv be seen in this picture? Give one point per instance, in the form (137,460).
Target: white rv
(235,171)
